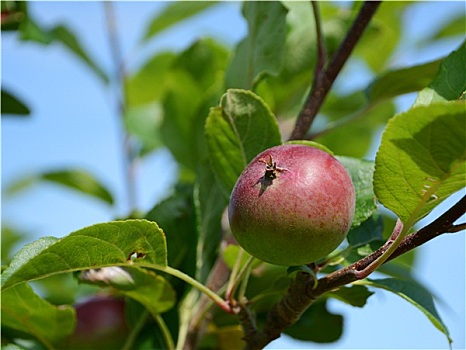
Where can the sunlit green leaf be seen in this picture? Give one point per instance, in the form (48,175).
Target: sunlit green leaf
(76,179)
(25,311)
(449,83)
(262,51)
(382,35)
(421,159)
(415,294)
(175,13)
(67,38)
(352,132)
(453,27)
(285,92)
(232,252)
(148,84)
(236,132)
(101,245)
(195,79)
(183,124)
(205,61)
(143,122)
(402,81)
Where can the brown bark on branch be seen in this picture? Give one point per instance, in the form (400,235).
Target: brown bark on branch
(324,80)
(303,291)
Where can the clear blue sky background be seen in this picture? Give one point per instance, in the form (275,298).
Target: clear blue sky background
(73,124)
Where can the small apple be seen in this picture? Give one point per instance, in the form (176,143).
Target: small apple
(101,324)
(292,205)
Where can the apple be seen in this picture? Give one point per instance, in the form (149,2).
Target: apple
(292,205)
(101,324)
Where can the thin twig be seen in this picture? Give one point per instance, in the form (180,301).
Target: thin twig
(321,50)
(118,62)
(321,88)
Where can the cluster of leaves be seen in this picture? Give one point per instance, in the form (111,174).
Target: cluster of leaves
(227,106)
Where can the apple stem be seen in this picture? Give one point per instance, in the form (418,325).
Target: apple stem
(223,304)
(238,277)
(399,232)
(135,330)
(165,332)
(232,280)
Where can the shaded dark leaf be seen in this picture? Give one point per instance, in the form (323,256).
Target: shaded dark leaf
(317,324)
(13,105)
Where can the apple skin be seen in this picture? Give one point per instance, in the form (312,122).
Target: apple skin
(101,324)
(294,214)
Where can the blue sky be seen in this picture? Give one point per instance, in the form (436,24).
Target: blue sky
(73,124)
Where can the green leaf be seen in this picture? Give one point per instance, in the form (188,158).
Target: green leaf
(196,80)
(266,285)
(108,244)
(352,128)
(285,92)
(31,31)
(12,346)
(175,13)
(143,121)
(415,294)
(10,236)
(382,36)
(25,311)
(146,287)
(12,105)
(449,83)
(361,172)
(311,144)
(421,159)
(453,27)
(26,253)
(236,132)
(205,61)
(355,295)
(363,240)
(184,121)
(402,81)
(67,38)
(210,203)
(13,14)
(76,179)
(231,253)
(148,84)
(177,216)
(262,51)
(370,231)
(317,324)
(230,337)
